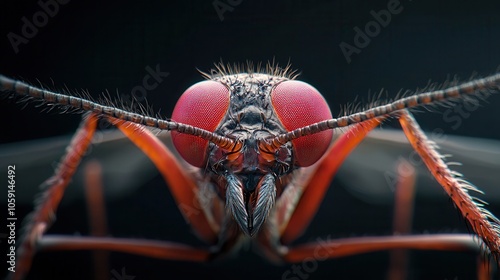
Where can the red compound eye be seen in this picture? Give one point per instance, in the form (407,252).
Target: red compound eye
(298,104)
(203,105)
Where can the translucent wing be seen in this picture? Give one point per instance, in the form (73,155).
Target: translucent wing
(370,171)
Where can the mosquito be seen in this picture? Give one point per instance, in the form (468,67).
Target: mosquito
(258,155)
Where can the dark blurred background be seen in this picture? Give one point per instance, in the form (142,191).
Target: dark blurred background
(100,46)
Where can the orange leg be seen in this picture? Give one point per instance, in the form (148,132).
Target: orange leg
(320,179)
(403,217)
(102,245)
(484,267)
(97,215)
(311,198)
(484,224)
(355,246)
(181,184)
(43,214)
(149,248)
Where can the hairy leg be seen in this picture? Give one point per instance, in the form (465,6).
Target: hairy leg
(43,215)
(483,223)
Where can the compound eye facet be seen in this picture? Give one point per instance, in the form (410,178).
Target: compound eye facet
(298,104)
(203,105)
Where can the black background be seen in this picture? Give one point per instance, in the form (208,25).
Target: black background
(98,46)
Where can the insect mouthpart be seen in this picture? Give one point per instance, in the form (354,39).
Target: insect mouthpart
(250,198)
(250,186)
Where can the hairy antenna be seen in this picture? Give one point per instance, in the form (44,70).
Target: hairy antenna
(86,105)
(471,88)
